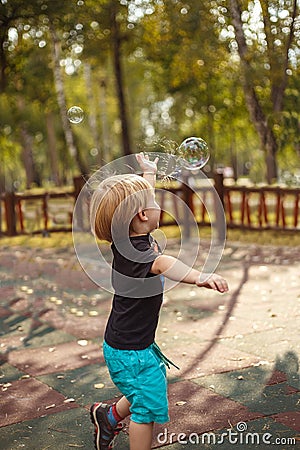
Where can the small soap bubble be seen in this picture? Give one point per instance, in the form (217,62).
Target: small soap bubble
(194,153)
(75,114)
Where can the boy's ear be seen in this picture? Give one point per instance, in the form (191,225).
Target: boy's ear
(142,216)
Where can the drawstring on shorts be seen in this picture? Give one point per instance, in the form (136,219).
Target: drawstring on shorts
(163,357)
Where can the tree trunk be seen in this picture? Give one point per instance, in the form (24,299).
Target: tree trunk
(278,69)
(116,42)
(104,122)
(258,118)
(3,61)
(51,139)
(92,114)
(61,99)
(32,175)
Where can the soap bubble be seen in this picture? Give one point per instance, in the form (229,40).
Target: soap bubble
(193,153)
(75,114)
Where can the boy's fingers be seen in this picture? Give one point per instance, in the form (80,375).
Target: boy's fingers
(222,286)
(215,284)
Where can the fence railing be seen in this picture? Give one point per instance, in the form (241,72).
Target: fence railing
(253,208)
(262,208)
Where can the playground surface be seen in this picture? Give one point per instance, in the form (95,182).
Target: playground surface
(238,383)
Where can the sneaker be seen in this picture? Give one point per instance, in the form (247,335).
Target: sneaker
(104,432)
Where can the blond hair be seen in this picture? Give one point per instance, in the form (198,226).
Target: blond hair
(115,202)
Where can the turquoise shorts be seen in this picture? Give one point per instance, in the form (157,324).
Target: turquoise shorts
(140,375)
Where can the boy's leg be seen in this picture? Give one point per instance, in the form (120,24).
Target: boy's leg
(122,407)
(140,435)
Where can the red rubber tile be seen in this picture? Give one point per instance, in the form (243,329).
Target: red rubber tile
(28,399)
(291,419)
(58,358)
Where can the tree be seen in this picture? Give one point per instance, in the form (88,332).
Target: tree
(270,45)
(27,23)
(193,72)
(155,72)
(74,150)
(110,27)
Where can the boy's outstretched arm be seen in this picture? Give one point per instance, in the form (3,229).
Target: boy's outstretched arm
(148,167)
(176,270)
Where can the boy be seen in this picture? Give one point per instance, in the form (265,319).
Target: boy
(123,211)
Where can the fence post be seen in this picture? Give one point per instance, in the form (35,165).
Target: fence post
(10,214)
(1,196)
(187,193)
(79,183)
(219,206)
(219,185)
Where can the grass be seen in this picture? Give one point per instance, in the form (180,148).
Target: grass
(61,240)
(267,237)
(55,240)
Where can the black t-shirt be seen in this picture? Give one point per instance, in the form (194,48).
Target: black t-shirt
(138,294)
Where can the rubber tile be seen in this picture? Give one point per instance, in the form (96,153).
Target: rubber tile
(86,385)
(9,373)
(251,388)
(29,398)
(57,358)
(290,418)
(70,429)
(194,409)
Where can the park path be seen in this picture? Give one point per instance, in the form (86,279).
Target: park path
(238,353)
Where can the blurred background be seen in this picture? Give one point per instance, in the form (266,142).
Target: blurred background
(147,74)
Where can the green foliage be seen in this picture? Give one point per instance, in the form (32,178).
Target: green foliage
(10,162)
(182,78)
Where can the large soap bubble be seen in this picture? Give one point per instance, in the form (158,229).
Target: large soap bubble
(193,153)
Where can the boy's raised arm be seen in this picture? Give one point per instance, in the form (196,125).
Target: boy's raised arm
(178,271)
(148,167)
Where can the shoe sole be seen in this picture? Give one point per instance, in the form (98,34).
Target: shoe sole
(94,420)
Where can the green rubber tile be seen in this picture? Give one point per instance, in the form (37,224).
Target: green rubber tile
(86,385)
(243,385)
(9,373)
(257,434)
(46,335)
(250,388)
(274,400)
(14,324)
(268,345)
(289,364)
(20,331)
(68,430)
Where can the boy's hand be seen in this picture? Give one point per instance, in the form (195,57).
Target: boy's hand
(147,166)
(213,281)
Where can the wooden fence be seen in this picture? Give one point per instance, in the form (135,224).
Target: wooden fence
(262,208)
(252,208)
